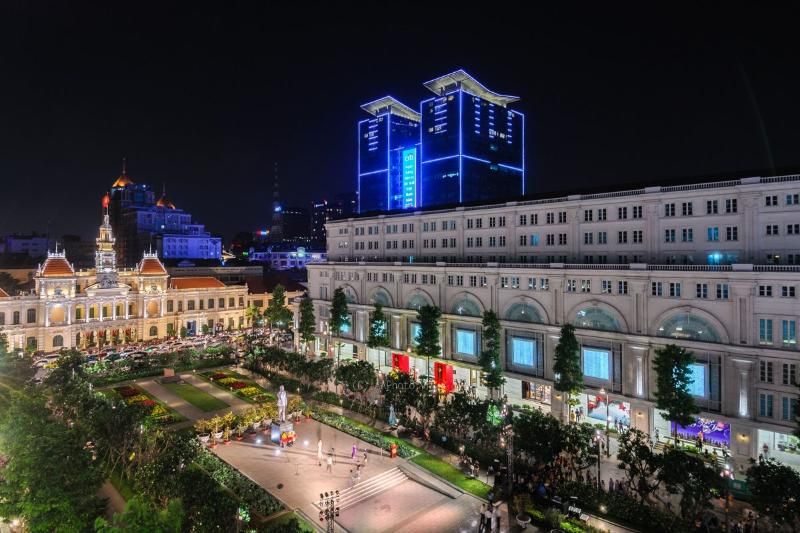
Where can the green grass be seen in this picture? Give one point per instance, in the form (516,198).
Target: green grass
(122,485)
(113,395)
(283,520)
(250,383)
(202,400)
(452,474)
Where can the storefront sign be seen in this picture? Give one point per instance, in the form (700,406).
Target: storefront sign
(714,433)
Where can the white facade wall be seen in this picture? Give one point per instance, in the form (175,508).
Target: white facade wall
(656,225)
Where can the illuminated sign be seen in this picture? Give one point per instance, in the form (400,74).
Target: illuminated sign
(409,178)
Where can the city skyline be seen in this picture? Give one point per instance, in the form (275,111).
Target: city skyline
(697,97)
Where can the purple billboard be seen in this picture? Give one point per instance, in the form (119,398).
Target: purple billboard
(714,433)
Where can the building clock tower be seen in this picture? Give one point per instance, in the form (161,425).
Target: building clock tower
(105,258)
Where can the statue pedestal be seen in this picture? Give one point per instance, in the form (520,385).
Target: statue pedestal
(282,428)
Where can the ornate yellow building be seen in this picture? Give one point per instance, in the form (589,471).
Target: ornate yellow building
(70,308)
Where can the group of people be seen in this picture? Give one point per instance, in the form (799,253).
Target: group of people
(490,518)
(361,461)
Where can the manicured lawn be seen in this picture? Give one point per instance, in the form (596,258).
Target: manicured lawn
(452,474)
(193,395)
(122,485)
(160,413)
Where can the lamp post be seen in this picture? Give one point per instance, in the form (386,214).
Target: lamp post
(329,509)
(507,442)
(727,475)
(608,422)
(597,439)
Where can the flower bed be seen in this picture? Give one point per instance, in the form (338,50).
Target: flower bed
(156,412)
(364,432)
(242,387)
(106,374)
(253,495)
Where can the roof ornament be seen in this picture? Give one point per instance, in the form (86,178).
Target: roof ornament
(124,166)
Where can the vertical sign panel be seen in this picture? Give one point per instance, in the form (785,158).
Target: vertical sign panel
(409,178)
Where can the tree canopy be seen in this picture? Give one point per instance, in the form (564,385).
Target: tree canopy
(567,364)
(672,365)
(378,328)
(307,323)
(276,312)
(490,356)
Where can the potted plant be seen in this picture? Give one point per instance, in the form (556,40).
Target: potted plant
(215,424)
(202,427)
(270,411)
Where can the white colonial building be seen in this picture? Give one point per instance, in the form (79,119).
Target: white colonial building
(70,308)
(711,267)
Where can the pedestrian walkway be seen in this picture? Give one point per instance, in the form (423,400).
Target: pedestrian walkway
(236,403)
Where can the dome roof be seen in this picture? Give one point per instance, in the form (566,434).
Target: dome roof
(164,201)
(151,266)
(123,178)
(56,266)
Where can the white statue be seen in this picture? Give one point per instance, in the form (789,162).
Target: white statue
(282,402)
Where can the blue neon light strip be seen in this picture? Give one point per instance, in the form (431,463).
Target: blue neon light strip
(460,145)
(440,159)
(510,167)
(476,158)
(373,172)
(388,164)
(409,178)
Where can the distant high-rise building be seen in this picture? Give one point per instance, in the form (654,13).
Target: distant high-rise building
(296,223)
(142,223)
(276,230)
(321,213)
(465,145)
(388,145)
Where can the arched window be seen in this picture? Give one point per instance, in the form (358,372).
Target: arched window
(523,312)
(688,326)
(31,316)
(417,301)
(58,341)
(596,318)
(350,295)
(154,331)
(381,297)
(466,306)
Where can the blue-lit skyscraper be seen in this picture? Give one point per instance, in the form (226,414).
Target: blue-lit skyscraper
(472,145)
(388,157)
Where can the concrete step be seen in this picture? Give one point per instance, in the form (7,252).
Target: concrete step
(370,487)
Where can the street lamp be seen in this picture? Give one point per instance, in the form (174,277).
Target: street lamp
(329,509)
(597,438)
(608,422)
(507,442)
(727,476)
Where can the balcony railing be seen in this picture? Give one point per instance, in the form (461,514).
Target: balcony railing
(574,266)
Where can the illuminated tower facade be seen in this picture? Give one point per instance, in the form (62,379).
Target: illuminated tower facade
(105,258)
(388,157)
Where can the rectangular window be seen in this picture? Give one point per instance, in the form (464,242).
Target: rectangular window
(788,291)
(765,405)
(771,200)
(586,285)
(675,290)
(562,239)
(605,286)
(765,371)
(789,374)
(687,235)
(523,351)
(532,284)
(669,210)
(793,229)
(572,285)
(588,238)
(622,237)
(638,236)
(731,205)
(686,209)
(602,214)
(732,233)
(597,363)
(788,409)
(712,207)
(701,290)
(169,306)
(765,331)
(698,383)
(765,290)
(637,211)
(465,342)
(791,199)
(772,229)
(602,237)
(562,217)
(523,240)
(722,291)
(789,332)
(622,287)
(713,234)
(622,213)
(656,288)
(669,235)
(587,215)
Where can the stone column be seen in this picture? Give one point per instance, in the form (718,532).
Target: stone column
(113,309)
(46,315)
(743,386)
(69,314)
(397,332)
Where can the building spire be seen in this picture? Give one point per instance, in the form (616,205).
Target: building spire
(124,166)
(276,231)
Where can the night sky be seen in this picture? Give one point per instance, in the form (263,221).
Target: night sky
(205,100)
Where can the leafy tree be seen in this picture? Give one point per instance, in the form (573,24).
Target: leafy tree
(3,344)
(579,450)
(567,365)
(139,515)
(205,329)
(160,463)
(490,357)
(399,390)
(691,478)
(253,316)
(358,376)
(426,401)
(640,463)
(672,365)
(540,436)
(307,323)
(276,312)
(378,328)
(339,317)
(184,332)
(50,479)
(428,337)
(454,417)
(775,492)
(8,283)
(207,505)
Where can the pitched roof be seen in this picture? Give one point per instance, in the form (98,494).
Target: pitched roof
(57,266)
(197,283)
(151,266)
(3,294)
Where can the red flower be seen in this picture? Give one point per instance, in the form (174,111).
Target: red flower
(238,385)
(127,391)
(219,375)
(148,403)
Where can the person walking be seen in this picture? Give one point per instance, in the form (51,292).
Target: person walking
(354,451)
(329,468)
(365,458)
(483,518)
(319,452)
(487,514)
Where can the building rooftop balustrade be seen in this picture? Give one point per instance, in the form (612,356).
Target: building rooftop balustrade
(739,267)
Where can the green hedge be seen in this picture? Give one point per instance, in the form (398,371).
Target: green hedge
(253,495)
(364,432)
(117,375)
